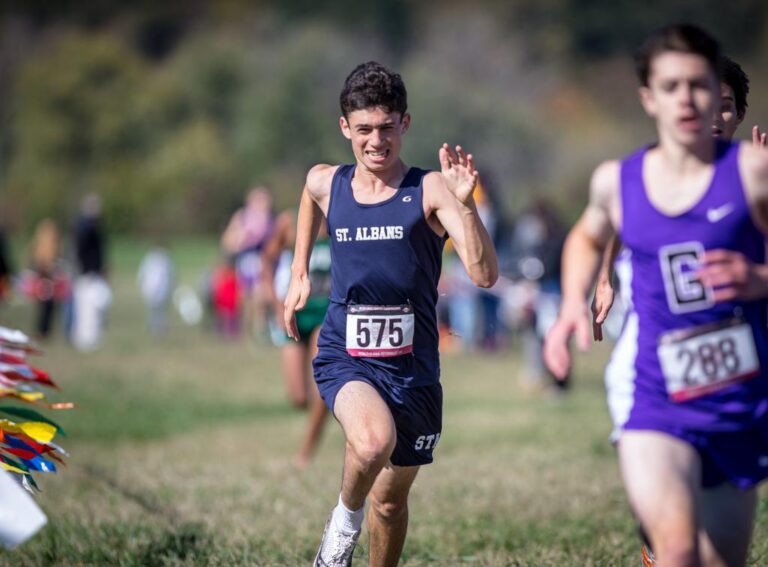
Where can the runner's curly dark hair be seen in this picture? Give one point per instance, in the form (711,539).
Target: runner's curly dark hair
(372,85)
(734,76)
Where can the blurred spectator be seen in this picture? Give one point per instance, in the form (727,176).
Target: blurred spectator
(488,209)
(188,304)
(473,312)
(244,238)
(6,267)
(204,290)
(463,301)
(297,355)
(156,279)
(537,244)
(89,237)
(44,284)
(225,296)
(92,295)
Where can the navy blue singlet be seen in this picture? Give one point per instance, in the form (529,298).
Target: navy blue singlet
(382,254)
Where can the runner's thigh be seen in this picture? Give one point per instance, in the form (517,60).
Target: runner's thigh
(662,476)
(363,413)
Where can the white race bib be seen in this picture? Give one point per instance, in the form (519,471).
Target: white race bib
(379,330)
(701,360)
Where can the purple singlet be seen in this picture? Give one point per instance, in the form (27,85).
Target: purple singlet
(699,369)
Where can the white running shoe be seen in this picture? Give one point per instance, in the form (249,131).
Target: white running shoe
(336,548)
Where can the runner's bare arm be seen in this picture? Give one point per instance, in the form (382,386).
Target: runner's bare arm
(232,237)
(604,293)
(589,237)
(449,197)
(753,165)
(581,254)
(282,237)
(312,208)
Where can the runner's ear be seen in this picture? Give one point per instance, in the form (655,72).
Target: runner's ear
(647,100)
(345,129)
(406,122)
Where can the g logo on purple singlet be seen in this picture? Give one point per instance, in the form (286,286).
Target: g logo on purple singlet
(685,291)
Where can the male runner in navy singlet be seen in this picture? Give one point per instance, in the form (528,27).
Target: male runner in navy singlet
(377,366)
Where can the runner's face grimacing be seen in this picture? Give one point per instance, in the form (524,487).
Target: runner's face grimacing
(727,119)
(682,95)
(376,136)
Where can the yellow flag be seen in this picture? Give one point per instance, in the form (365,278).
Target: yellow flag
(11,468)
(37,430)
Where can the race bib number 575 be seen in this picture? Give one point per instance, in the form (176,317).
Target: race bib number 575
(702,360)
(379,330)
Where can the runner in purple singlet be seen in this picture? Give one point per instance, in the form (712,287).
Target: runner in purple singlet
(693,212)
(619,373)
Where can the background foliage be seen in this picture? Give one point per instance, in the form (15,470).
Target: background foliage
(172,111)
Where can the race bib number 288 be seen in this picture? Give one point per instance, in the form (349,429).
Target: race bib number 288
(705,359)
(379,330)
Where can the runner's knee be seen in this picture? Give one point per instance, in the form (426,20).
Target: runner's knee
(676,549)
(679,555)
(389,509)
(373,448)
(298,400)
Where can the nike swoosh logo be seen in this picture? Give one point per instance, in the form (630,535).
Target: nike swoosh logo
(719,213)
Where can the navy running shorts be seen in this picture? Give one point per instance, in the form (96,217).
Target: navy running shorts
(417,411)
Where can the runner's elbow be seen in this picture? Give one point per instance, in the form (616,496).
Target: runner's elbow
(485,283)
(486,278)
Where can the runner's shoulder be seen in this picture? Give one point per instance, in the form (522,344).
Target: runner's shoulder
(605,181)
(319,179)
(435,190)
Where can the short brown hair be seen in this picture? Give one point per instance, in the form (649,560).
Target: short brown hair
(682,38)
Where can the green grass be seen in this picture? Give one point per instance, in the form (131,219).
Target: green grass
(181,455)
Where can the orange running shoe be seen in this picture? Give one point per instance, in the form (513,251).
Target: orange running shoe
(648,559)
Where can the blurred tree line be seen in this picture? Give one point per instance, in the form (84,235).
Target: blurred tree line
(171,111)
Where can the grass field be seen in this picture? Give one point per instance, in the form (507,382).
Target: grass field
(181,455)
